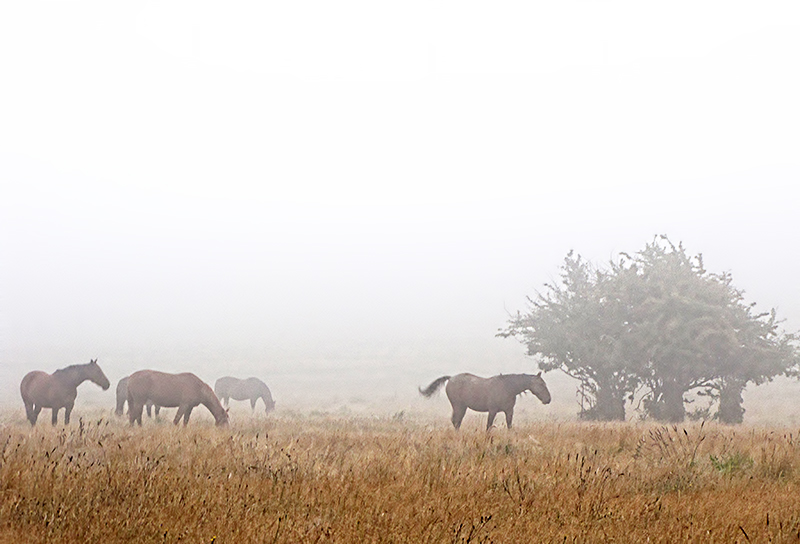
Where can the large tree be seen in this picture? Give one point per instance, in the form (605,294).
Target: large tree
(656,319)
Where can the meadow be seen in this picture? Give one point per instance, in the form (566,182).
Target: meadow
(320,477)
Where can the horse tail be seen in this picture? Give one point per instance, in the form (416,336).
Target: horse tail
(433,387)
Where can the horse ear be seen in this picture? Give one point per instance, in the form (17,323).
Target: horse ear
(539,375)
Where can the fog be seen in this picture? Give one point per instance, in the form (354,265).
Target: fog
(348,199)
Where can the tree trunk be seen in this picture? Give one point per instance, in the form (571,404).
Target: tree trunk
(668,405)
(731,411)
(674,410)
(609,405)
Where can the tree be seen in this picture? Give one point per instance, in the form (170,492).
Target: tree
(656,319)
(681,325)
(764,352)
(576,326)
(697,332)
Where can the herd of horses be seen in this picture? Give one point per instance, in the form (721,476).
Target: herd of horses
(153,389)
(145,388)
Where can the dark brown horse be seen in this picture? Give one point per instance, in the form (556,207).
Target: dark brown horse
(58,390)
(250,389)
(170,390)
(495,394)
(122,398)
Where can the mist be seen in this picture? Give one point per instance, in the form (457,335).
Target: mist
(348,202)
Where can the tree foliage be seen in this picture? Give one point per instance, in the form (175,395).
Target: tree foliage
(655,320)
(576,325)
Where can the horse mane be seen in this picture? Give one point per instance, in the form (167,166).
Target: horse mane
(70,372)
(513,377)
(68,369)
(75,374)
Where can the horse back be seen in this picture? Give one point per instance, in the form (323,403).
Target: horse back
(467,390)
(238,389)
(168,390)
(225,385)
(479,394)
(257,388)
(41,388)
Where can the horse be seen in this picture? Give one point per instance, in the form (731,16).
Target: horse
(184,391)
(253,389)
(495,394)
(58,390)
(122,398)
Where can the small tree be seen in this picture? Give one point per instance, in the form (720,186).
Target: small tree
(764,351)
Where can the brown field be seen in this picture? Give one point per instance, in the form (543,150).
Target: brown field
(320,478)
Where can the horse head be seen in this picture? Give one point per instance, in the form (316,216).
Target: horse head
(95,374)
(539,388)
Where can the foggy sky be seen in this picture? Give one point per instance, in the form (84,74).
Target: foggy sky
(271,188)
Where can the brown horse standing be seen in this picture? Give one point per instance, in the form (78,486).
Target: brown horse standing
(251,389)
(122,398)
(170,390)
(58,390)
(495,394)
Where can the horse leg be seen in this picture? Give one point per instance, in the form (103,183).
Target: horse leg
(30,413)
(37,408)
(149,406)
(186,415)
(490,421)
(253,403)
(179,415)
(67,412)
(135,413)
(458,415)
(509,417)
(55,415)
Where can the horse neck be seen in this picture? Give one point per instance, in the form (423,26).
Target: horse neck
(517,383)
(210,401)
(73,375)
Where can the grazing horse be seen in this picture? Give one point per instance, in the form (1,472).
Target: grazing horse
(170,390)
(122,398)
(495,394)
(58,390)
(251,389)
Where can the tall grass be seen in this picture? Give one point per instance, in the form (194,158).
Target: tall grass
(318,478)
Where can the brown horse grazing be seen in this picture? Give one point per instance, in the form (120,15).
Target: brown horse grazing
(58,390)
(253,389)
(495,394)
(170,390)
(122,398)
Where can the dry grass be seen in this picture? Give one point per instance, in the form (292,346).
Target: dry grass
(319,478)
